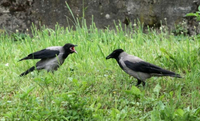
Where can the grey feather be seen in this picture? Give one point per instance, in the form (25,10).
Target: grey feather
(51,58)
(137,67)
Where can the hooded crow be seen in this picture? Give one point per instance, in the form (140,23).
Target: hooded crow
(137,67)
(51,57)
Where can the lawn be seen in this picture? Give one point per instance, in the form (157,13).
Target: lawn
(89,87)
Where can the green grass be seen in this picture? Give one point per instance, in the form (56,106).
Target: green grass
(98,89)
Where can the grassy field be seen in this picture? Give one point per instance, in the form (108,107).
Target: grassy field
(89,87)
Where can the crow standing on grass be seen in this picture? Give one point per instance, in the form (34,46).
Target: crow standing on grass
(137,67)
(51,57)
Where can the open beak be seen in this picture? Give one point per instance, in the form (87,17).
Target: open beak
(73,49)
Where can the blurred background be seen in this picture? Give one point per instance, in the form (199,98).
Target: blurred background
(21,14)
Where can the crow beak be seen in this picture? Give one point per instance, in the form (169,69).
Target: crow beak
(73,49)
(108,57)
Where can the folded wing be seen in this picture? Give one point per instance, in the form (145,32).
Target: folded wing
(151,69)
(42,54)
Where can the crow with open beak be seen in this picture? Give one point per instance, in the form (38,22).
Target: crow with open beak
(51,58)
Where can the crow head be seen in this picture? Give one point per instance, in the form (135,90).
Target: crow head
(115,54)
(69,48)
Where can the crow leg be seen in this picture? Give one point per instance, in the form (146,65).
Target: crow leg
(139,82)
(50,71)
(143,83)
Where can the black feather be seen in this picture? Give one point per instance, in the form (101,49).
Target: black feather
(28,71)
(146,67)
(42,54)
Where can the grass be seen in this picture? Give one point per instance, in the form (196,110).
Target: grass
(97,89)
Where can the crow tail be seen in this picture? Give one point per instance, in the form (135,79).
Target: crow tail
(28,71)
(175,75)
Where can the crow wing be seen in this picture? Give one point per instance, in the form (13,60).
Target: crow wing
(42,54)
(146,67)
